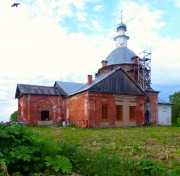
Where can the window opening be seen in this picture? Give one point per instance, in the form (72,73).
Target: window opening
(132,112)
(119,112)
(45,115)
(104,112)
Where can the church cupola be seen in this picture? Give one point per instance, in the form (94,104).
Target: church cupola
(121,38)
(121,56)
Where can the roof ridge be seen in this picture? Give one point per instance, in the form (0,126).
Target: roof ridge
(69,82)
(35,85)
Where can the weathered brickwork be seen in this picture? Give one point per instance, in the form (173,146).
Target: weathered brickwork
(129,68)
(140,110)
(96,100)
(77,109)
(126,67)
(30,107)
(154,107)
(85,109)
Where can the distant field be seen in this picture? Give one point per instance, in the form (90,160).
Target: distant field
(158,143)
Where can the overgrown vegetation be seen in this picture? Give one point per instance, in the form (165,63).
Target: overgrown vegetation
(106,164)
(137,151)
(23,152)
(175,100)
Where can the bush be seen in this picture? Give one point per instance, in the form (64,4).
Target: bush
(178,122)
(26,152)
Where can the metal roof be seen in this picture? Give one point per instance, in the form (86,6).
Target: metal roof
(36,90)
(121,55)
(121,26)
(95,81)
(69,87)
(120,84)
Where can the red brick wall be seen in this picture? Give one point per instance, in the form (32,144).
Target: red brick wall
(154,107)
(152,95)
(126,67)
(96,100)
(84,110)
(140,110)
(77,111)
(30,107)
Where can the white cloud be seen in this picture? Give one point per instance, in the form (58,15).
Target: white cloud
(36,49)
(55,10)
(81,16)
(176,2)
(3,94)
(79,4)
(166,61)
(98,7)
(144,23)
(141,19)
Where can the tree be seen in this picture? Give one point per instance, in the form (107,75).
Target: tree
(14,116)
(175,100)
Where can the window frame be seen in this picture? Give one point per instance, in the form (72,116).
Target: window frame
(107,113)
(120,108)
(132,113)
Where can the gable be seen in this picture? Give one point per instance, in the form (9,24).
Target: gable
(118,82)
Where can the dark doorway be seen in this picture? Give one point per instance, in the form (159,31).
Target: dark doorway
(45,115)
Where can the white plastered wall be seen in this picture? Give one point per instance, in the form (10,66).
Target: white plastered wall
(164,114)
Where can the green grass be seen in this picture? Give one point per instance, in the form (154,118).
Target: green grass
(157,143)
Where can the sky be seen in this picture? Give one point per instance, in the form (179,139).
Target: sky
(43,41)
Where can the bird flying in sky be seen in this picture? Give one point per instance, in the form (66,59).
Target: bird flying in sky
(15,4)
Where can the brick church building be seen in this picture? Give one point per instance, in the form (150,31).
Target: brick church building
(119,95)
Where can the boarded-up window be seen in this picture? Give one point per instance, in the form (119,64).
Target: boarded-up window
(104,112)
(119,112)
(132,113)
